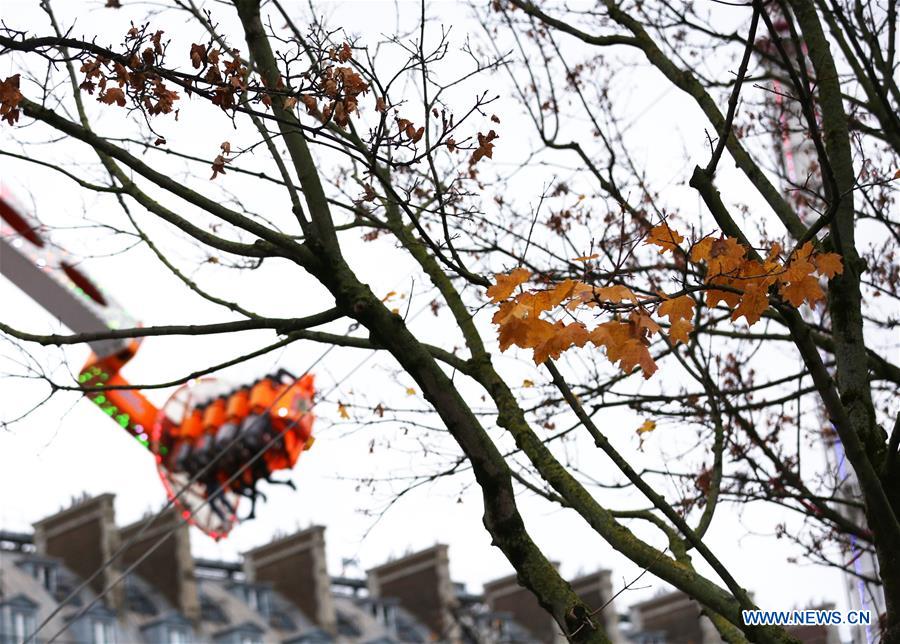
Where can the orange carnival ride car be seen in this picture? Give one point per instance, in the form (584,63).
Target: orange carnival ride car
(213,444)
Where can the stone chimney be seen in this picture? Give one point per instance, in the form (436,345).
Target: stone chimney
(505,595)
(169,568)
(84,536)
(421,583)
(296,568)
(596,591)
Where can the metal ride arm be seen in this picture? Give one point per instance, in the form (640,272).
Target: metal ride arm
(49,275)
(220,446)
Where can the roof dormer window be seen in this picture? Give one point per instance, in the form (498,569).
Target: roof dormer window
(46,572)
(18,617)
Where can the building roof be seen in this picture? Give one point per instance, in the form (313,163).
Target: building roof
(279,593)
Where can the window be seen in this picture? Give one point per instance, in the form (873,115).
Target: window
(136,600)
(210,611)
(103,632)
(178,635)
(46,574)
(23,625)
(282,621)
(258,599)
(346,626)
(251,639)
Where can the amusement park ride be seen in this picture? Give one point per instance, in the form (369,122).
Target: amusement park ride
(213,444)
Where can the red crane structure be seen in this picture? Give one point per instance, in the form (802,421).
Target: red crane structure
(213,444)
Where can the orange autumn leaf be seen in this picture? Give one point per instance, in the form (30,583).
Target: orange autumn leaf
(829,264)
(623,346)
(509,309)
(714,295)
(646,427)
(680,329)
(753,303)
(677,308)
(342,411)
(799,268)
(725,256)
(562,337)
(615,294)
(643,323)
(546,300)
(504,285)
(736,279)
(806,289)
(586,258)
(633,354)
(664,237)
(680,311)
(523,332)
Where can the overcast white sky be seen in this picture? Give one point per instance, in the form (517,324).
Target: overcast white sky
(67,448)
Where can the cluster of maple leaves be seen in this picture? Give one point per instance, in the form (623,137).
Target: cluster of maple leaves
(733,276)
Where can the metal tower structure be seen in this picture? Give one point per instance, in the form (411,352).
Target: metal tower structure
(801,176)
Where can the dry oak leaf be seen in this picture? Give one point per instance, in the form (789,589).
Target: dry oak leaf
(198,55)
(312,106)
(218,167)
(485,147)
(10,97)
(112,95)
(415,135)
(342,411)
(664,237)
(504,285)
